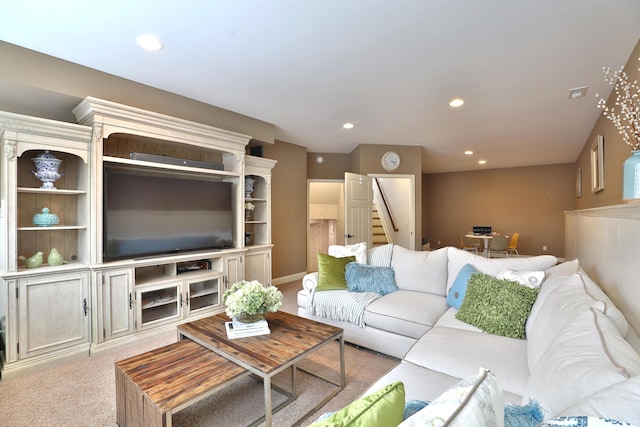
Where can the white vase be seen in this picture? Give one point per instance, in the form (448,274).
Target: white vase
(631,177)
(47,169)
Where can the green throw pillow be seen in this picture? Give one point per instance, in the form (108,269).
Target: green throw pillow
(331,272)
(384,408)
(499,307)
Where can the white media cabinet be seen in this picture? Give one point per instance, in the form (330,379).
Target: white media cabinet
(52,313)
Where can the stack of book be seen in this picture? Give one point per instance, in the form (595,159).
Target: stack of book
(236,329)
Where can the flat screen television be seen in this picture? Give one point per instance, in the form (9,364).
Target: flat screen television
(146,215)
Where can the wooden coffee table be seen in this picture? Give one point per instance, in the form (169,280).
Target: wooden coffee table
(292,339)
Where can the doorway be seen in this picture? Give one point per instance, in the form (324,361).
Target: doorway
(325,222)
(325,207)
(398,193)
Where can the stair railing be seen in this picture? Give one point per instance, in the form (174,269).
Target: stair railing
(386,205)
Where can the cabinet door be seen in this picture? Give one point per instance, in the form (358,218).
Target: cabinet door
(158,304)
(203,294)
(233,270)
(53,312)
(117,302)
(257,266)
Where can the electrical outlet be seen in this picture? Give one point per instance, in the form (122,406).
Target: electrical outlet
(438,242)
(544,248)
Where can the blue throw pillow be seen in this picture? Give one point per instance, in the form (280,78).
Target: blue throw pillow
(459,286)
(529,415)
(369,278)
(413,406)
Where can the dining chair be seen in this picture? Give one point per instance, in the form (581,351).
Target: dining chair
(498,245)
(514,243)
(465,246)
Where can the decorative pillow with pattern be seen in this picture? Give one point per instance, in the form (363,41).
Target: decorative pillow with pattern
(532,279)
(474,401)
(584,421)
(358,250)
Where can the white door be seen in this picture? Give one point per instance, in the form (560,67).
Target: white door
(358,195)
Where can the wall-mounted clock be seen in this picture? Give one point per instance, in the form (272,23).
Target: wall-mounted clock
(390,160)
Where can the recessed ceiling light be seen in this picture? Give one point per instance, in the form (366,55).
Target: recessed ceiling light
(482,162)
(468,152)
(455,103)
(150,42)
(348,125)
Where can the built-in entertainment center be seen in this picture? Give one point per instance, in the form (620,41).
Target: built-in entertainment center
(149,218)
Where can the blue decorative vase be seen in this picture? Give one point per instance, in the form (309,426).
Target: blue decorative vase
(45,218)
(631,177)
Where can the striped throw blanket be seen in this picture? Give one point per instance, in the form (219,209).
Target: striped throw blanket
(340,305)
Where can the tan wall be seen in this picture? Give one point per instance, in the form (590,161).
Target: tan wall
(528,200)
(615,152)
(333,165)
(288,208)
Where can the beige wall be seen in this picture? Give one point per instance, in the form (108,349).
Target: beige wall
(288,208)
(333,165)
(528,200)
(615,152)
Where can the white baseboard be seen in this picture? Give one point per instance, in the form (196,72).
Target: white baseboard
(289,278)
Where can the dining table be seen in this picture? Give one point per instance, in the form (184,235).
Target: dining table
(485,238)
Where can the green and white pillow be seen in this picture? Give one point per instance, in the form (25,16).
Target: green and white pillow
(475,401)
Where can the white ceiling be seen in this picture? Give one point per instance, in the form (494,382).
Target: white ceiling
(389,66)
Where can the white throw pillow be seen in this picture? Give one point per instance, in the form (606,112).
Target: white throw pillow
(475,401)
(420,271)
(380,256)
(561,298)
(531,279)
(492,266)
(586,356)
(612,312)
(359,250)
(620,402)
(559,302)
(554,276)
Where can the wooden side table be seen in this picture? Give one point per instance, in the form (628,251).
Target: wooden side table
(152,386)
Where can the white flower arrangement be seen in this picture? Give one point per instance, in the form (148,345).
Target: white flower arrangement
(627,118)
(248,206)
(251,298)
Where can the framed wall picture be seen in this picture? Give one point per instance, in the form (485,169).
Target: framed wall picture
(579,183)
(597,164)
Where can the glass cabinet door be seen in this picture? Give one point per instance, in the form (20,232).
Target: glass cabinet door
(203,294)
(158,304)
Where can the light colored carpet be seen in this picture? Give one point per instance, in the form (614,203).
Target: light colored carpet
(82,392)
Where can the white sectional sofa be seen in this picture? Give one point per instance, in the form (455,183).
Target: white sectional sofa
(580,356)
